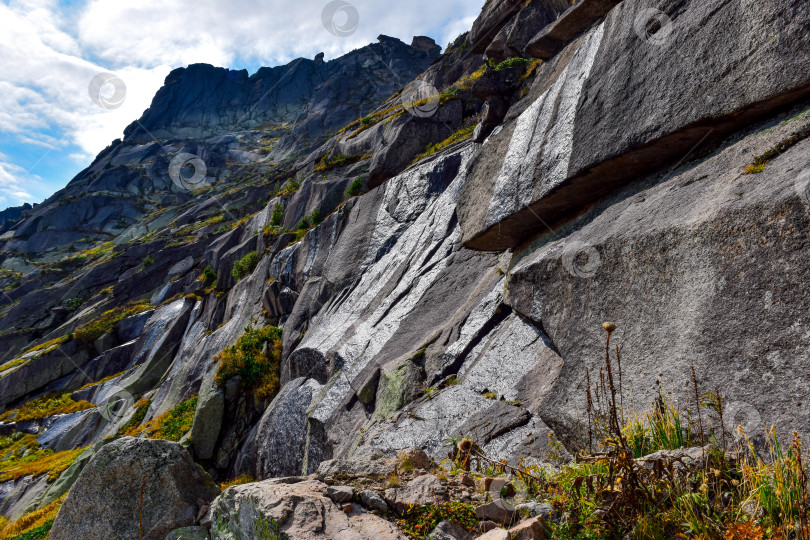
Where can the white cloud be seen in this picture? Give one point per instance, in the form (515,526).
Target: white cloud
(12,179)
(50,51)
(141,32)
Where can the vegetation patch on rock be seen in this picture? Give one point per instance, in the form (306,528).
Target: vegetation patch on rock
(256,359)
(88,333)
(48,405)
(23,456)
(169,426)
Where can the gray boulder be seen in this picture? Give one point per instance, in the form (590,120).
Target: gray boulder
(134,488)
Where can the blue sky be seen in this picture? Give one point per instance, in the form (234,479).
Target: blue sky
(50,128)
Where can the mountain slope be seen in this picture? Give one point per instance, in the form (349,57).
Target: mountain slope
(438,256)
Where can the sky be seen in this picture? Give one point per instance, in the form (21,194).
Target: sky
(75,73)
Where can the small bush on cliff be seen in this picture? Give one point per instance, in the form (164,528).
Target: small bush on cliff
(245,266)
(328,162)
(209,276)
(512,62)
(278,215)
(356,188)
(256,359)
(460,135)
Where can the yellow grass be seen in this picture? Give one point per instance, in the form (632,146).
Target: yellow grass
(31,520)
(45,462)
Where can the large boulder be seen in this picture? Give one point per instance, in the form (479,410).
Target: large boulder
(134,489)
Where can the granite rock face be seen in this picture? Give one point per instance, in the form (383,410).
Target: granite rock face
(621,101)
(718,253)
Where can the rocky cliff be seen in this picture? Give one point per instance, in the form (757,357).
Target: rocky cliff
(438,239)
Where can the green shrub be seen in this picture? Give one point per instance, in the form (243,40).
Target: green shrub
(316,217)
(512,62)
(245,266)
(460,135)
(148,261)
(278,215)
(38,533)
(209,277)
(256,365)
(356,188)
(303,224)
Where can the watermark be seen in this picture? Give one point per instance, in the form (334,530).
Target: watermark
(187,171)
(653,26)
(340,18)
(581,259)
(420,99)
(115,405)
(107,90)
(744,415)
(802,185)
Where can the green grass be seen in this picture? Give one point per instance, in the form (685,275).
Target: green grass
(23,456)
(34,525)
(460,135)
(761,161)
(328,162)
(14,363)
(609,494)
(131,427)
(173,424)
